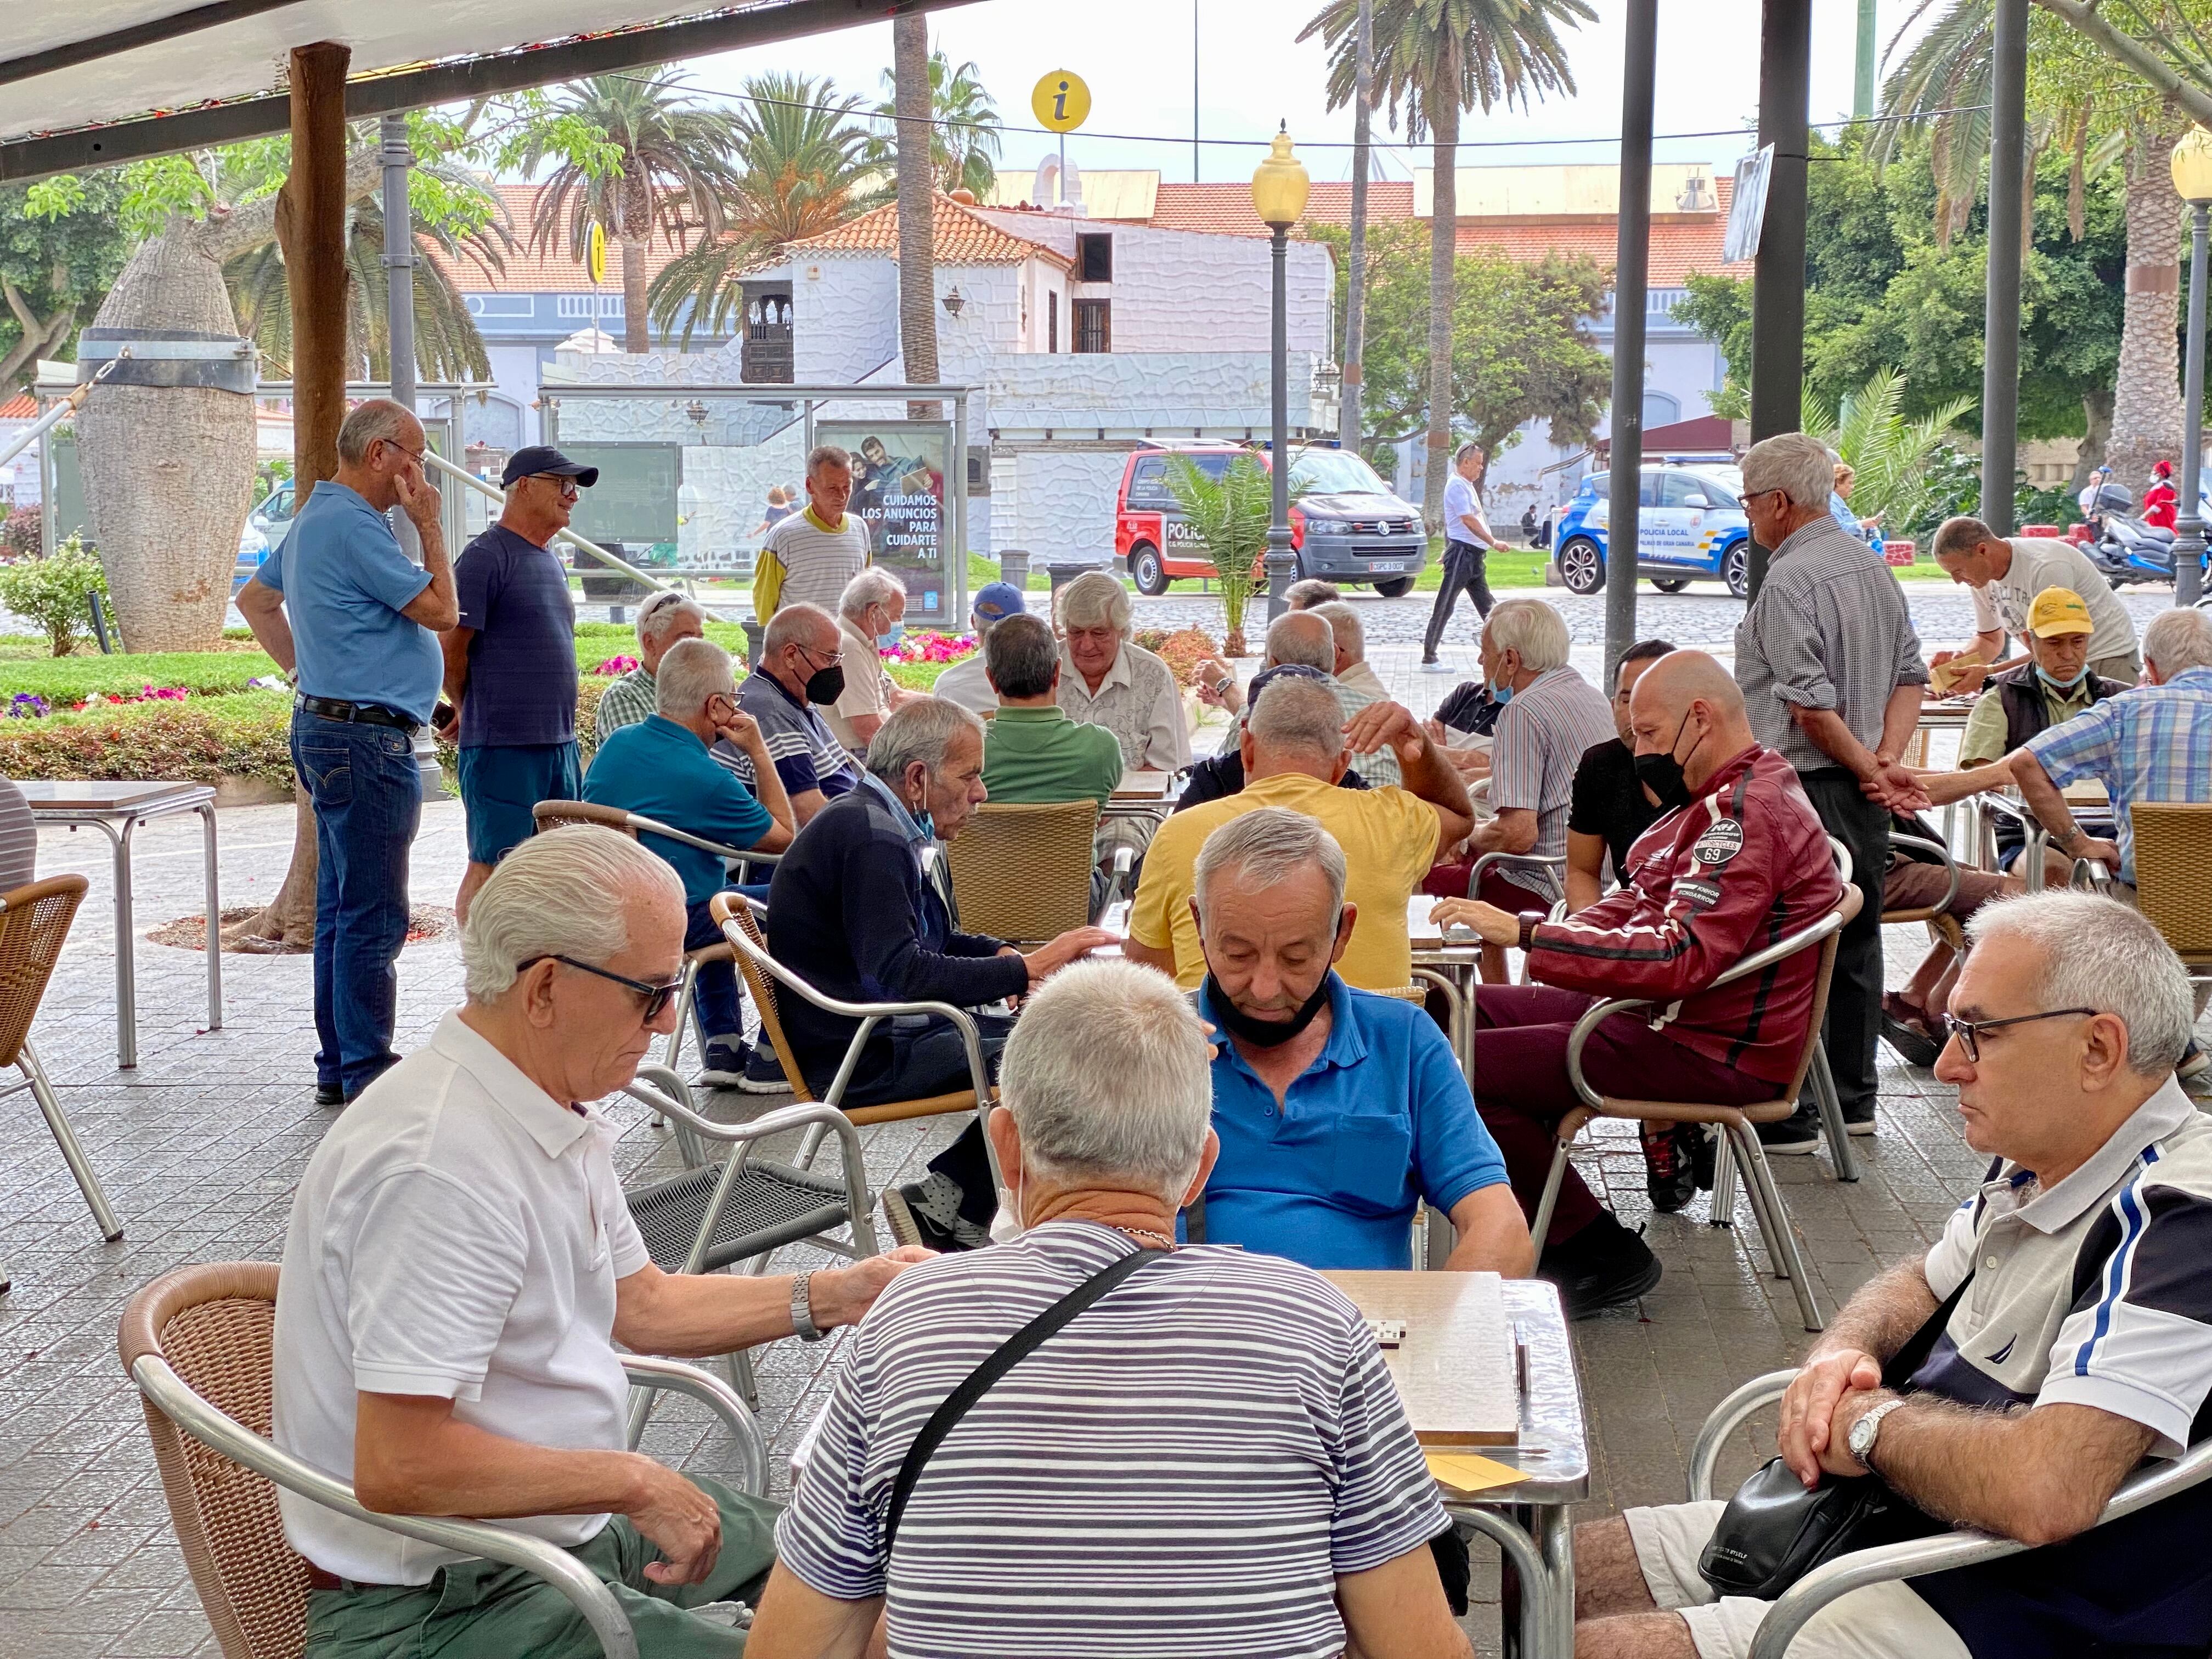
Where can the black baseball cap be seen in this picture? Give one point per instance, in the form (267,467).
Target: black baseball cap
(543,457)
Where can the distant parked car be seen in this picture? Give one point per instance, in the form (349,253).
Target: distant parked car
(1691,527)
(252,548)
(272,516)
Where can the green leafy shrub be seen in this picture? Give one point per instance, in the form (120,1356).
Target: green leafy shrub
(1182,650)
(54,591)
(199,741)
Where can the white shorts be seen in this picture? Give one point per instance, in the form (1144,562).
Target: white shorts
(1881,1621)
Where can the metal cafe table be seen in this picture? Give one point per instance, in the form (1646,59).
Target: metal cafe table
(116,810)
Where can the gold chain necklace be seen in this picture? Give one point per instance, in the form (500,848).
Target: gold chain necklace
(1164,1242)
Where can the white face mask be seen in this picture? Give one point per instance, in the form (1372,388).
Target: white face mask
(1006,1225)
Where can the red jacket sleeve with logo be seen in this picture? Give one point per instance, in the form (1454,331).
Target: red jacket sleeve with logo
(1743,865)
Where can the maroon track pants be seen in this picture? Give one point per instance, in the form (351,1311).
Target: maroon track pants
(1520,1084)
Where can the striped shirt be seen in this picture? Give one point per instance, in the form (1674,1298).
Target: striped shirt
(2090,1292)
(625,702)
(1538,743)
(1188,1466)
(1378,768)
(816,562)
(1829,629)
(2152,743)
(806,753)
(18,839)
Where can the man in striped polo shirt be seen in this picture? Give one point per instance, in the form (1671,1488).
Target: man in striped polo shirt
(810,557)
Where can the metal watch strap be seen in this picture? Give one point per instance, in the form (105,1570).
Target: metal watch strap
(802,1317)
(1867,1429)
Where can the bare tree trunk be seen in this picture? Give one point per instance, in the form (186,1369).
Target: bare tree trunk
(1355,292)
(1443,248)
(2146,394)
(2096,436)
(917,273)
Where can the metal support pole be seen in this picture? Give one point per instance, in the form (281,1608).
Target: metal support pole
(1777,285)
(1632,262)
(1862,68)
(397,155)
(1282,562)
(1349,433)
(2000,305)
(2189,524)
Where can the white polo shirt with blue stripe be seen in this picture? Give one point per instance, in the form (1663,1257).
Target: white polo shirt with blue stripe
(2096,1291)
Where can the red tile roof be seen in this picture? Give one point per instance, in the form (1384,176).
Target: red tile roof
(961,237)
(21,407)
(552,271)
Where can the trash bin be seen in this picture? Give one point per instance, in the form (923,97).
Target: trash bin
(1062,575)
(1014,567)
(754,631)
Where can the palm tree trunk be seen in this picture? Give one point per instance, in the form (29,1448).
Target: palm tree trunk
(636,336)
(2096,436)
(1355,290)
(1443,248)
(2146,394)
(917,271)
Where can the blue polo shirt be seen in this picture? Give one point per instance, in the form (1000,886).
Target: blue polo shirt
(1381,1120)
(522,661)
(658,768)
(345,582)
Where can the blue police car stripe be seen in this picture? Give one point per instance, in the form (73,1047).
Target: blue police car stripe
(2132,1220)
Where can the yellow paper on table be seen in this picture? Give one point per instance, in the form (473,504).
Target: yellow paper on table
(1944,678)
(1464,1474)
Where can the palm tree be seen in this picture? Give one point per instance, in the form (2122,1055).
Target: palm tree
(1889,454)
(672,173)
(965,133)
(917,208)
(798,168)
(1432,59)
(1228,516)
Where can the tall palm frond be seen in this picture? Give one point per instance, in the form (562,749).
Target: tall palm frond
(1888,454)
(965,133)
(1229,516)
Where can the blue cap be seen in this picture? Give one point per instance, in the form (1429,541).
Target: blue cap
(996,601)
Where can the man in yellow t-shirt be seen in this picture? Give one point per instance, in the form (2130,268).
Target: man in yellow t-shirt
(1295,750)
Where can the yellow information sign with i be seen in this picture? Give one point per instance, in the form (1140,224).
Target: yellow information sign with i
(1061,101)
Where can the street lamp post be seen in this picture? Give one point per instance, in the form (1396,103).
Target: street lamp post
(1279,196)
(2192,180)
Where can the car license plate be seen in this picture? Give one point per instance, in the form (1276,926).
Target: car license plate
(1386,564)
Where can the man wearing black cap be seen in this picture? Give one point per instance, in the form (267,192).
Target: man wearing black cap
(511,663)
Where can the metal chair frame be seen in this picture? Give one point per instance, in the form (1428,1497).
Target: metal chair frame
(1962,1546)
(1554,865)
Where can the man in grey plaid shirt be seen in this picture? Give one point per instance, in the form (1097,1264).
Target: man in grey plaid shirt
(1831,676)
(662,620)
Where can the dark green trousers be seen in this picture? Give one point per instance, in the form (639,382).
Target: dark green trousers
(481,1610)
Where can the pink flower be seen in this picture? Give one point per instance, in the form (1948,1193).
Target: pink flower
(615,666)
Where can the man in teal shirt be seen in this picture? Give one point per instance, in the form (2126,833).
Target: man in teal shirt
(1032,752)
(660,768)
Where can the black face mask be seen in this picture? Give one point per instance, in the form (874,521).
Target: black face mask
(826,686)
(1661,774)
(1264,1033)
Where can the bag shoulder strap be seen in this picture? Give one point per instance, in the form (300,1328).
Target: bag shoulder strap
(1002,1359)
(1922,1343)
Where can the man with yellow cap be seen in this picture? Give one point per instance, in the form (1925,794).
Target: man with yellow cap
(2052,686)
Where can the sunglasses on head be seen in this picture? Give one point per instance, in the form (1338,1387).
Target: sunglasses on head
(655,996)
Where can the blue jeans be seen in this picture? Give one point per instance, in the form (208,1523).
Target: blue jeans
(369,802)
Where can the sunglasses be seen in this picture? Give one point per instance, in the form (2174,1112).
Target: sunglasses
(568,489)
(1968,1032)
(656,996)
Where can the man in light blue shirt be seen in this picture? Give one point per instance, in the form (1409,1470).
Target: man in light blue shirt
(1337,1109)
(354,622)
(1468,542)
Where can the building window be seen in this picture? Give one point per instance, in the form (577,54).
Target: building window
(589,305)
(1094,258)
(1094,329)
(1051,321)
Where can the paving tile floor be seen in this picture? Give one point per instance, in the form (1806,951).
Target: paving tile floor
(201,1144)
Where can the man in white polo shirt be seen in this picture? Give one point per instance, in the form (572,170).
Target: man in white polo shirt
(458,1268)
(2006,573)
(811,556)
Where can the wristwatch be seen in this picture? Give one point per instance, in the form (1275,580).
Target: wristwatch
(1529,920)
(1861,1440)
(802,1317)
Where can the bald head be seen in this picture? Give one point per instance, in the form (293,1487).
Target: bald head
(1688,706)
(1300,637)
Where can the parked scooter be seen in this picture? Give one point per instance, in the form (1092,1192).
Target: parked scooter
(2128,550)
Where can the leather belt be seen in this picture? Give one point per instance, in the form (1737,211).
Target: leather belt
(365,714)
(318,1579)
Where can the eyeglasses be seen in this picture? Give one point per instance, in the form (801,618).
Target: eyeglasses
(568,487)
(657,996)
(828,657)
(1968,1032)
(414,455)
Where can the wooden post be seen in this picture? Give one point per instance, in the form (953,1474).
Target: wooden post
(311,227)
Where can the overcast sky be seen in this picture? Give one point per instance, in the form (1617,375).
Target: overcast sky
(1136,56)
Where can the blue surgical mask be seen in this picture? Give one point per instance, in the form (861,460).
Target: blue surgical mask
(2057,685)
(885,642)
(1500,695)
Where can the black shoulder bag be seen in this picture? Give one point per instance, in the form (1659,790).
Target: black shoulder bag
(1774,1531)
(1002,1359)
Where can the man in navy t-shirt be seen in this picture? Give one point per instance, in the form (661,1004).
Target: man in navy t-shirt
(511,663)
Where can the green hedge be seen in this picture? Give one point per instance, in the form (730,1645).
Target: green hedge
(199,741)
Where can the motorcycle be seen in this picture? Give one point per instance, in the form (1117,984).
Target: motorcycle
(2128,550)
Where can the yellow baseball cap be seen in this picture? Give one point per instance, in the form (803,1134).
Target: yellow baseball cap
(2058,611)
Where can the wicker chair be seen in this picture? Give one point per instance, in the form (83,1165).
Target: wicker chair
(34,921)
(2173,878)
(1022,872)
(198,1343)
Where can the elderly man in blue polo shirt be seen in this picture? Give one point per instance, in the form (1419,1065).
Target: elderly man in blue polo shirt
(354,622)
(1337,1109)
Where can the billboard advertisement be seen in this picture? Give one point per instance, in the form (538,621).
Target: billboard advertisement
(899,470)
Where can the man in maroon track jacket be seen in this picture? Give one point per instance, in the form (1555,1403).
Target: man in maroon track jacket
(1740,862)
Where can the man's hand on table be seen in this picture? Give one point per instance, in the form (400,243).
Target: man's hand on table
(1490,924)
(1807,1438)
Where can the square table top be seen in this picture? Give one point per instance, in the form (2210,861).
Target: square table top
(1455,1368)
(57,796)
(1142,785)
(1425,936)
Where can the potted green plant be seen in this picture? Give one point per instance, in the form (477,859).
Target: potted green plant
(1228,517)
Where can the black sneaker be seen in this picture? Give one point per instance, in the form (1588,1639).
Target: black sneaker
(763,1072)
(909,1224)
(1601,1267)
(1798,1133)
(328,1094)
(725,1062)
(1670,1168)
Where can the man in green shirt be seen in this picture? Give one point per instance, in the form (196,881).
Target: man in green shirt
(1032,752)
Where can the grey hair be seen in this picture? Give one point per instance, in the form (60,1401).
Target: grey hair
(2100,953)
(1295,714)
(1303,637)
(1263,846)
(823,455)
(1799,466)
(874,586)
(1094,598)
(922,731)
(561,893)
(1108,1074)
(1311,593)
(1468,448)
(660,613)
(1532,628)
(789,622)
(2177,641)
(1956,538)
(1344,623)
(692,671)
(379,417)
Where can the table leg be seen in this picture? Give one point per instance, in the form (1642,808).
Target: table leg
(213,922)
(1537,1620)
(127,955)
(1555,1537)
